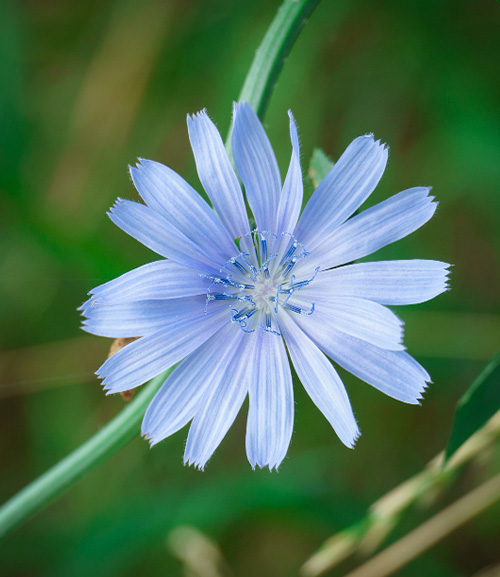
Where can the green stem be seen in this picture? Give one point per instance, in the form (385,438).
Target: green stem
(271,54)
(257,90)
(117,433)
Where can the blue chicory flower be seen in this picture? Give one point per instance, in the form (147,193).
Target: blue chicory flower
(229,300)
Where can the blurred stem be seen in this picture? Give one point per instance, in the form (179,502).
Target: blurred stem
(431,532)
(271,54)
(116,434)
(257,90)
(384,515)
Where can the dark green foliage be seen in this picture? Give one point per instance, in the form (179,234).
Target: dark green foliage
(478,404)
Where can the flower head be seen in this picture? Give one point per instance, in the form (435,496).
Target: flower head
(227,300)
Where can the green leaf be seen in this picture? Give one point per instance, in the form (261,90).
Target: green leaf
(479,403)
(320,166)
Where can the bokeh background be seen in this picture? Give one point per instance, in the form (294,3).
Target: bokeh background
(88,86)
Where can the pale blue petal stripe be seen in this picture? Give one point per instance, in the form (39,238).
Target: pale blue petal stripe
(167,193)
(162,279)
(138,318)
(180,397)
(293,190)
(153,231)
(217,175)
(349,183)
(394,373)
(397,282)
(321,381)
(378,226)
(256,165)
(271,408)
(149,356)
(360,318)
(223,398)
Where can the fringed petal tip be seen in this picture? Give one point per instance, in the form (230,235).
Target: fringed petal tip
(354,440)
(447,272)
(105,386)
(108,391)
(119,201)
(420,395)
(348,432)
(242,106)
(85,326)
(89,305)
(370,136)
(109,381)
(151,440)
(149,432)
(197,115)
(294,135)
(270,466)
(200,465)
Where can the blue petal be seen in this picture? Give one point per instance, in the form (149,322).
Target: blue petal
(361,318)
(137,318)
(162,279)
(270,414)
(398,282)
(149,356)
(256,164)
(182,394)
(376,227)
(394,373)
(217,175)
(153,231)
(291,196)
(348,184)
(321,381)
(168,194)
(228,387)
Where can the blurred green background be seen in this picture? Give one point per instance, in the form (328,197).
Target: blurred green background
(88,86)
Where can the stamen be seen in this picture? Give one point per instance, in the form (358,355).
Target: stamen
(277,299)
(298,310)
(227,282)
(304,283)
(239,266)
(234,261)
(269,330)
(289,254)
(289,267)
(264,248)
(265,279)
(224,297)
(264,267)
(261,248)
(253,273)
(240,317)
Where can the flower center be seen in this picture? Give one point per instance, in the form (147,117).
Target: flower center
(259,282)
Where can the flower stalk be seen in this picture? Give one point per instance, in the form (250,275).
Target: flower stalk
(257,89)
(112,437)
